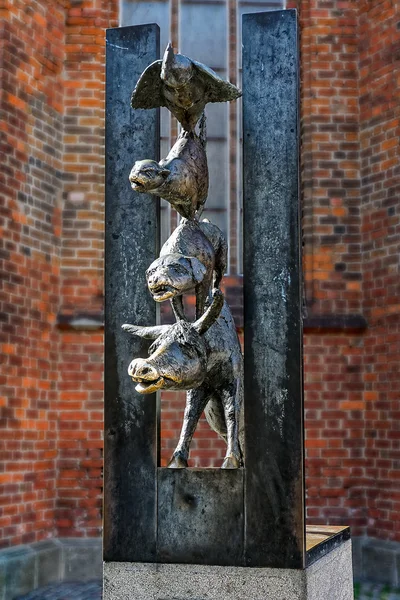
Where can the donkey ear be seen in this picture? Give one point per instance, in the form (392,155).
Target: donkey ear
(212,313)
(198,268)
(150,333)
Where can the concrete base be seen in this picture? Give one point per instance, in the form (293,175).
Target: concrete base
(330,578)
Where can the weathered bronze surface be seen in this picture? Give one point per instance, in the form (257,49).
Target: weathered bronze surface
(274,475)
(130,419)
(181,178)
(204,358)
(183,85)
(193,257)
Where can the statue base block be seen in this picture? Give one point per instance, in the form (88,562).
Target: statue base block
(329,577)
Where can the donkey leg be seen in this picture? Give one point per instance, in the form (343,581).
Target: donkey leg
(196,401)
(231,402)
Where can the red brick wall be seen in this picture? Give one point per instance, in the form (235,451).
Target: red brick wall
(330,156)
(332,261)
(51,220)
(31,101)
(335,429)
(83,208)
(80,435)
(351,182)
(80,445)
(380,180)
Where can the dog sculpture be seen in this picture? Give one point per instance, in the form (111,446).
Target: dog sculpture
(193,258)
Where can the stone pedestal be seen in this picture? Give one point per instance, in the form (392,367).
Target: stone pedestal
(329,578)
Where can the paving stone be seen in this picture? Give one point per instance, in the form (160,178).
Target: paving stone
(92,590)
(375,591)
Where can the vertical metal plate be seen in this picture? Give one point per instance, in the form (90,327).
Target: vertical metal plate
(131,244)
(274,479)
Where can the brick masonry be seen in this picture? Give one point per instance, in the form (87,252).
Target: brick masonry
(31,106)
(80,446)
(379,57)
(51,252)
(51,131)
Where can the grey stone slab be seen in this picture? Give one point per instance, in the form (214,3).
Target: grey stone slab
(20,572)
(274,474)
(379,563)
(2,580)
(81,562)
(200,516)
(396,582)
(251,8)
(376,560)
(357,548)
(90,542)
(328,579)
(48,562)
(131,244)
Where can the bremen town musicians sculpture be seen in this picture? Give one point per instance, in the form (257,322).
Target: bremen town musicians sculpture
(204,356)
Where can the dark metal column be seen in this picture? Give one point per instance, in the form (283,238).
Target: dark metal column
(131,243)
(274,480)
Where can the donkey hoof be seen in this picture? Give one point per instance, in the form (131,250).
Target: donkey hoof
(177,462)
(230,462)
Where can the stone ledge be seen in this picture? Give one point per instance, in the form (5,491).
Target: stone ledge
(327,578)
(31,566)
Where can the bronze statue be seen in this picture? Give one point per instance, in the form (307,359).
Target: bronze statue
(183,85)
(181,178)
(201,244)
(203,357)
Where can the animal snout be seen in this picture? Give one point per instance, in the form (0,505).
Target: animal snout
(152,279)
(140,369)
(134,179)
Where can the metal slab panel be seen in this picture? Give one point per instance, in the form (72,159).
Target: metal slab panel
(200,516)
(274,478)
(131,243)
